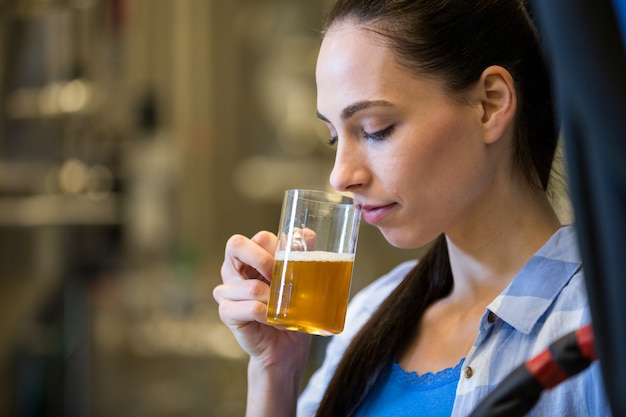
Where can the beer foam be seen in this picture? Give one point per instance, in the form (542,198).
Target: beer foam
(316,255)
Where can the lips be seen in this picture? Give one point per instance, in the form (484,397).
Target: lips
(374,214)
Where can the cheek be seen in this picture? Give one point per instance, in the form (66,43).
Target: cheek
(445,162)
(453,146)
(429,157)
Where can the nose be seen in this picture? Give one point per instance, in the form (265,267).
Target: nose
(350,171)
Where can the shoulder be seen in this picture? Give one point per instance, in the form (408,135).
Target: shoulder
(550,286)
(545,301)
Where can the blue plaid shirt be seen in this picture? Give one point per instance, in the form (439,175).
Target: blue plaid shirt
(546,300)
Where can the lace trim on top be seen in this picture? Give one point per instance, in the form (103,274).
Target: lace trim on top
(428,380)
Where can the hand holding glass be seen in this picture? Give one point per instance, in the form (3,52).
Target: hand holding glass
(313,262)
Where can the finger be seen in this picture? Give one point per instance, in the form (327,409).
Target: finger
(251,289)
(266,240)
(310,238)
(246,259)
(236,314)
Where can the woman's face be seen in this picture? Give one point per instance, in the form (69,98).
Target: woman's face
(413,157)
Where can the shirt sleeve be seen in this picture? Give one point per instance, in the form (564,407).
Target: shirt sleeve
(359,311)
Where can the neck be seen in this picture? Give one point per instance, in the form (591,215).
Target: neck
(486,256)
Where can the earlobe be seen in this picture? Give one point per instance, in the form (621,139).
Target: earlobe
(499,102)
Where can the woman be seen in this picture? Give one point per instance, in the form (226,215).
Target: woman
(442,118)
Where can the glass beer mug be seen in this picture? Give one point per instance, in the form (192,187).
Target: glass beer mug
(313,264)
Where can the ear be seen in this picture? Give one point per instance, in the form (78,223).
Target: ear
(499,102)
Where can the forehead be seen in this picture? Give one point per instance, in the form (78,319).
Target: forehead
(344,43)
(354,63)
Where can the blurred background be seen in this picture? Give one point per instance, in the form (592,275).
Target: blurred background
(136,136)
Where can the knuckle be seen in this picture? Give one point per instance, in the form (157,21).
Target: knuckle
(256,288)
(259,311)
(223,312)
(235,242)
(265,239)
(217,293)
(224,270)
(262,236)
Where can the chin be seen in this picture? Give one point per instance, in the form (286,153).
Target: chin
(404,239)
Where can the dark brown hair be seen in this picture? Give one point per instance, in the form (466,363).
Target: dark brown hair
(455,41)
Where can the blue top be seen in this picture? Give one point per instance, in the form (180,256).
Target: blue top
(401,393)
(546,300)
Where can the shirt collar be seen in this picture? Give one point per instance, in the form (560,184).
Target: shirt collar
(539,282)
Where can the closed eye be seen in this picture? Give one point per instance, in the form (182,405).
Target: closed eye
(379,135)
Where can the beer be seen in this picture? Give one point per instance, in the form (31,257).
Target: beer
(310,291)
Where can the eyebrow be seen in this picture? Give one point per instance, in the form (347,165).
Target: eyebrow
(356,107)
